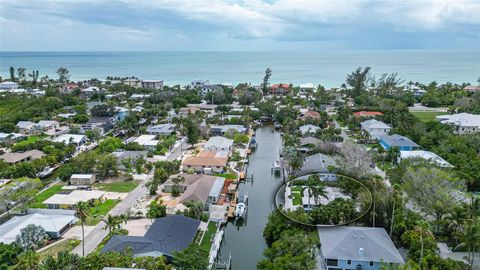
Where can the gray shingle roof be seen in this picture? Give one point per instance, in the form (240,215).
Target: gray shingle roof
(165,236)
(317,163)
(398,140)
(345,242)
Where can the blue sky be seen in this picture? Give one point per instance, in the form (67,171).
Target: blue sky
(223,25)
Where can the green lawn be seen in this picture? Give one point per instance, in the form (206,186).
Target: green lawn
(427,116)
(96,213)
(226,175)
(37,201)
(117,186)
(64,245)
(211,230)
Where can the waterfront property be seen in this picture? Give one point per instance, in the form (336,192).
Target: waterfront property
(164,237)
(8,86)
(320,163)
(309,115)
(207,162)
(403,143)
(221,130)
(308,129)
(463,123)
(375,129)
(351,248)
(218,143)
(53,223)
(306,87)
(14,158)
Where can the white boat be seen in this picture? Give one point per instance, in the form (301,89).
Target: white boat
(241,207)
(276,166)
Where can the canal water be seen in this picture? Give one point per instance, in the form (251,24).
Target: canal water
(245,241)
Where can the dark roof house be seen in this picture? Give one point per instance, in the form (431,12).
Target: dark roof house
(164,237)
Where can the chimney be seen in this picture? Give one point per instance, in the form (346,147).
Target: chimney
(360,252)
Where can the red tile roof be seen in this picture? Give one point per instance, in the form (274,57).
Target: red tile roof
(280,85)
(365,113)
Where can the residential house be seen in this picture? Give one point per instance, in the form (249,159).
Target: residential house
(463,123)
(427,155)
(131,156)
(472,88)
(198,83)
(66,200)
(321,164)
(375,129)
(102,124)
(308,129)
(395,140)
(221,130)
(68,88)
(307,87)
(26,127)
(352,248)
(71,139)
(132,82)
(121,113)
(309,141)
(50,127)
(366,114)
(14,158)
(82,179)
(164,237)
(140,96)
(206,162)
(53,224)
(162,129)
(11,137)
(280,89)
(90,91)
(309,115)
(210,88)
(218,143)
(148,141)
(8,86)
(152,84)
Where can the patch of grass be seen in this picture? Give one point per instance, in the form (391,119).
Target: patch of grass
(37,201)
(117,186)
(297,198)
(64,245)
(99,211)
(427,116)
(206,241)
(297,189)
(226,175)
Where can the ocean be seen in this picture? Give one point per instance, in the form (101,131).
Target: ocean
(328,68)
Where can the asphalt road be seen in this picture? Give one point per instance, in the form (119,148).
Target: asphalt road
(99,233)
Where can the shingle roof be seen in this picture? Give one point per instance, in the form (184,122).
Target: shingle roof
(398,140)
(373,123)
(317,163)
(309,140)
(345,242)
(460,119)
(198,190)
(19,156)
(206,158)
(218,142)
(165,236)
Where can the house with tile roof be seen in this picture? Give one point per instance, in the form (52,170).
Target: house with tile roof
(207,162)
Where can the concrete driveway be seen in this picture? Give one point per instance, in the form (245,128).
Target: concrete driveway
(75,232)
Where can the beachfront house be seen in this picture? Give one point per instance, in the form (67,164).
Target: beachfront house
(206,162)
(152,84)
(306,87)
(375,129)
(403,143)
(164,237)
(463,123)
(306,130)
(8,86)
(353,248)
(162,129)
(210,88)
(280,89)
(218,143)
(198,83)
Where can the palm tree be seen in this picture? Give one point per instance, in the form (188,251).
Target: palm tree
(28,260)
(423,229)
(471,239)
(82,212)
(455,219)
(111,223)
(395,193)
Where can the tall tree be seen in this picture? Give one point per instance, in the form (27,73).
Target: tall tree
(194,257)
(21,73)
(358,80)
(471,239)
(266,78)
(82,212)
(12,74)
(31,237)
(63,74)
(423,229)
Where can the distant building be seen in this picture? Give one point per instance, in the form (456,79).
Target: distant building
(464,123)
(198,83)
(26,127)
(68,88)
(71,139)
(131,156)
(152,84)
(308,129)
(307,87)
(395,140)
(132,82)
(375,129)
(11,137)
(280,89)
(309,115)
(209,88)
(165,236)
(82,179)
(162,129)
(17,157)
(351,247)
(366,114)
(221,130)
(102,124)
(147,141)
(8,86)
(472,88)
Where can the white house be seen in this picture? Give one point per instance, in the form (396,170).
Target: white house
(307,87)
(308,129)
(375,129)
(7,86)
(161,129)
(218,143)
(148,141)
(464,123)
(209,88)
(198,83)
(71,139)
(427,155)
(82,179)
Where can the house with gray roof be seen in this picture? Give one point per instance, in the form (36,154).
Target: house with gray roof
(162,129)
(308,129)
(319,163)
(218,143)
(395,140)
(132,156)
(350,247)
(375,129)
(221,130)
(164,237)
